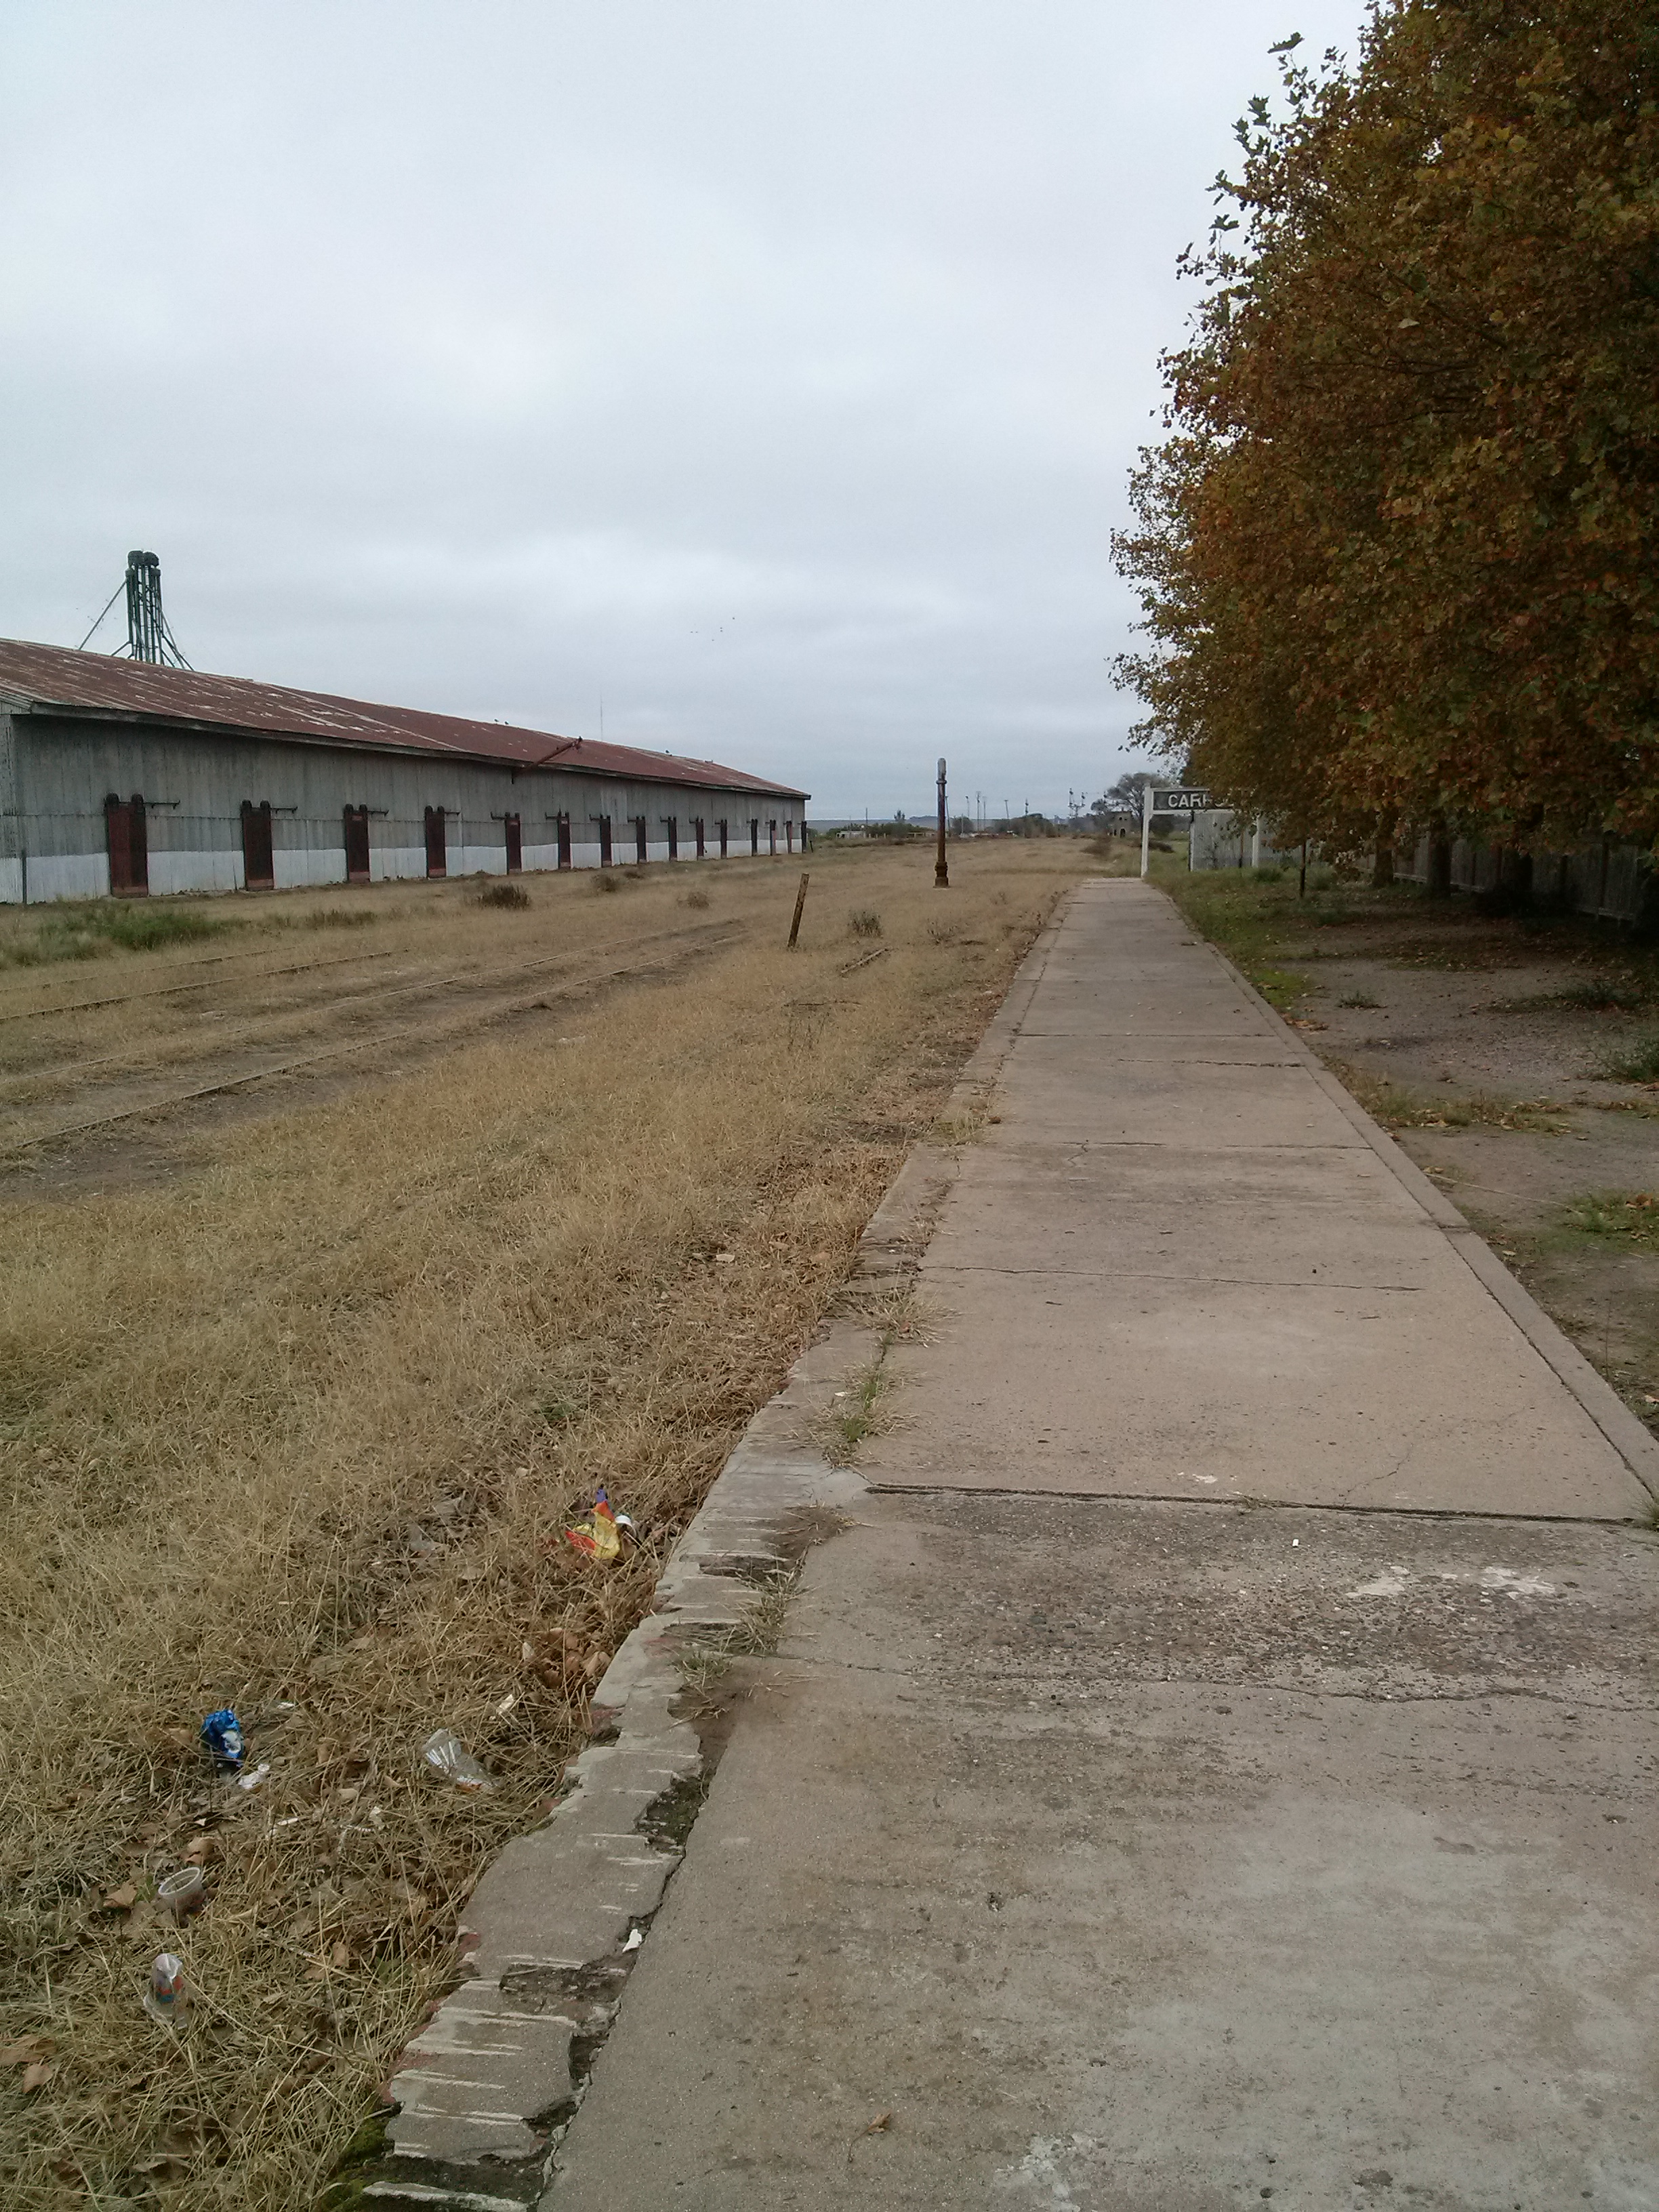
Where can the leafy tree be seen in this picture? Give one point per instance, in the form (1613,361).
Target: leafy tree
(1397,555)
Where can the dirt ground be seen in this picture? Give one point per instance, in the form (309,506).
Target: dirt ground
(1485,1042)
(353,1238)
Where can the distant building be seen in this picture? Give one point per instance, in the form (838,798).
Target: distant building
(124,776)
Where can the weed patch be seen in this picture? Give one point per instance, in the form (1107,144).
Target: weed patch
(1630,1217)
(86,931)
(1397,1107)
(1634,1063)
(341,917)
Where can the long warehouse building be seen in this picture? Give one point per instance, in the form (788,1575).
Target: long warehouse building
(128,777)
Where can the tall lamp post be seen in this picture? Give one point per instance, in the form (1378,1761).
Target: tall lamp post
(941,871)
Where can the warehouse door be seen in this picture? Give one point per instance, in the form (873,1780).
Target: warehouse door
(125,827)
(259,867)
(357,844)
(603,821)
(514,845)
(724,827)
(754,838)
(639,835)
(437,855)
(562,823)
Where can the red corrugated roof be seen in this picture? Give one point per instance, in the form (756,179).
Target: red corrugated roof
(54,676)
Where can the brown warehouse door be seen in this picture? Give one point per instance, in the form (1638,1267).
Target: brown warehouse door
(357,844)
(126,831)
(437,855)
(515,846)
(259,867)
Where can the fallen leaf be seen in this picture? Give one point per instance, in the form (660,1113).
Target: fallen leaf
(340,1956)
(38,2073)
(882,2122)
(25,2048)
(122,1900)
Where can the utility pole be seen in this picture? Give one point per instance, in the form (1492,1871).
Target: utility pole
(941,871)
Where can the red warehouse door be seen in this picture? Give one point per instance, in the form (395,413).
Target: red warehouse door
(126,829)
(514,845)
(258,865)
(437,854)
(357,844)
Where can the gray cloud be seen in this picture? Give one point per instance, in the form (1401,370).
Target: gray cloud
(771,373)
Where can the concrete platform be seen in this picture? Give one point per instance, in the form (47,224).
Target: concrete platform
(1182,1262)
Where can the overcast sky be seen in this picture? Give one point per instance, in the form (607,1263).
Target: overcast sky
(770,372)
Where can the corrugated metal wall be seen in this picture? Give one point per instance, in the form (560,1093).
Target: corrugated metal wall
(1222,839)
(53,789)
(1608,879)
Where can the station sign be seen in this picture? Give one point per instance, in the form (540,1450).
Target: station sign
(1190,799)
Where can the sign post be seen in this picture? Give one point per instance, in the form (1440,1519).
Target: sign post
(1191,799)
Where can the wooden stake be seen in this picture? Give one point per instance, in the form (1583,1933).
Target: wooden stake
(800,904)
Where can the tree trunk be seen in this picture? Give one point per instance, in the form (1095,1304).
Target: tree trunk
(1382,868)
(1440,863)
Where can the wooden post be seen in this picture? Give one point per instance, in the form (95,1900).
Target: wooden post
(800,902)
(941,870)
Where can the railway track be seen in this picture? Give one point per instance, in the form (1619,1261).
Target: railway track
(678,947)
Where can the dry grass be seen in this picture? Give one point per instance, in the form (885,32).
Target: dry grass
(300,1423)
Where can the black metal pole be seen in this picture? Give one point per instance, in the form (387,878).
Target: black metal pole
(941,870)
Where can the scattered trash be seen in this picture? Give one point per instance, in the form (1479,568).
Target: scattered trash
(636,1937)
(255,1776)
(600,1536)
(221,1732)
(507,1704)
(445,1754)
(726,1259)
(181,1893)
(167,1999)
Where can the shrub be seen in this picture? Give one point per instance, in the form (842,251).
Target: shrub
(605,881)
(697,898)
(863,922)
(341,917)
(506,895)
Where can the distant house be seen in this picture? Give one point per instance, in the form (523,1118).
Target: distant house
(127,777)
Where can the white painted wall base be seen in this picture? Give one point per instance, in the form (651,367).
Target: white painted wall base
(85,875)
(396,863)
(293,871)
(68,876)
(172,872)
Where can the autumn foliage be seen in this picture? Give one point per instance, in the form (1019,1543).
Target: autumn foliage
(1398,554)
